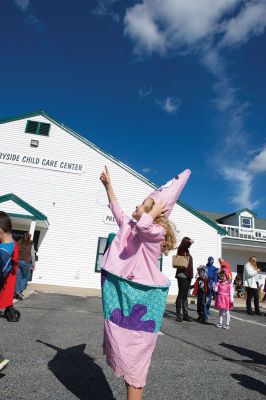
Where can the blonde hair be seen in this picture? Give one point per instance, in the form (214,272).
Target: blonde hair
(169,227)
(253,260)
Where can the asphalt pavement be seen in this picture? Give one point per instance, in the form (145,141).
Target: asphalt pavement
(55,353)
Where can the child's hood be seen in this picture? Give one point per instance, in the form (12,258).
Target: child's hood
(171,191)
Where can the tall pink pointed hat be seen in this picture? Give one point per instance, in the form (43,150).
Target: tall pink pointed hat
(170,192)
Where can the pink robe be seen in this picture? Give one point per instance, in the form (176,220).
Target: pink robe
(130,265)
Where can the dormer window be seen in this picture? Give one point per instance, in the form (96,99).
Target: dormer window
(246,222)
(37,128)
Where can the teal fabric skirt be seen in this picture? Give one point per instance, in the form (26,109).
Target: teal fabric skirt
(132,305)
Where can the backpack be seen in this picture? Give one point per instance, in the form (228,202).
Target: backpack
(6,263)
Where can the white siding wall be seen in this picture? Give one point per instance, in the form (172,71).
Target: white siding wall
(75,206)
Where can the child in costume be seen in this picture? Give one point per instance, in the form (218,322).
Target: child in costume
(224,300)
(212,277)
(8,270)
(8,264)
(134,291)
(201,290)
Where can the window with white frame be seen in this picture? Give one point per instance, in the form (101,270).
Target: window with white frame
(246,222)
(101,248)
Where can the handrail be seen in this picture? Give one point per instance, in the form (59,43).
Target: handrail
(238,232)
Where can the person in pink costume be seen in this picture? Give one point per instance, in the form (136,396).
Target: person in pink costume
(134,291)
(224,300)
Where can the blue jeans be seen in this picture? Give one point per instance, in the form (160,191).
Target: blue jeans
(210,294)
(23,275)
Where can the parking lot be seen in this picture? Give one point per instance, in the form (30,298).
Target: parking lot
(55,353)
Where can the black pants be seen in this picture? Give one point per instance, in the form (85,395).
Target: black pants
(201,306)
(251,292)
(181,300)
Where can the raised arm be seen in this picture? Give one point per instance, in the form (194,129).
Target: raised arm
(106,181)
(146,229)
(113,203)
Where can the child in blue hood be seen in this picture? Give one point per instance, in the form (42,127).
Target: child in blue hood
(212,272)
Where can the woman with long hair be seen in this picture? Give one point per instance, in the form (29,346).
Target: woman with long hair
(25,264)
(184,276)
(251,281)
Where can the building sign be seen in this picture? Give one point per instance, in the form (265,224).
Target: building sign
(109,219)
(41,162)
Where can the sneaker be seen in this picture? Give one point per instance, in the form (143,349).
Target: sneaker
(18,296)
(259,313)
(219,326)
(3,363)
(179,318)
(187,318)
(226,327)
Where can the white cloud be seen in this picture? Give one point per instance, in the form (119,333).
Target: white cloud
(241,183)
(258,164)
(145,92)
(170,105)
(146,170)
(23,5)
(33,20)
(141,26)
(158,26)
(232,135)
(104,9)
(205,27)
(251,21)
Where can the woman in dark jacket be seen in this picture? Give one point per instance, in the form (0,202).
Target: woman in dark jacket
(184,276)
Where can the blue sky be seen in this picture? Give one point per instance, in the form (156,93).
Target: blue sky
(163,86)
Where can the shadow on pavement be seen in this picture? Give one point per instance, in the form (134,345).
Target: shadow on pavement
(172,315)
(255,357)
(79,373)
(243,311)
(169,314)
(250,383)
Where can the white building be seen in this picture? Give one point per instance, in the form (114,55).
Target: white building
(50,185)
(246,237)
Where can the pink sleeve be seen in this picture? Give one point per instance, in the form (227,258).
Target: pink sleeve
(148,231)
(117,212)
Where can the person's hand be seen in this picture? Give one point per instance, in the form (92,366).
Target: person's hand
(159,209)
(105,177)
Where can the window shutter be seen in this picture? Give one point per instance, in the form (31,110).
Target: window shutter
(44,129)
(32,127)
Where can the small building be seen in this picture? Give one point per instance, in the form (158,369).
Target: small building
(246,237)
(50,186)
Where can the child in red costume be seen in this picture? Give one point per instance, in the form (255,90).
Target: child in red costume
(201,290)
(8,269)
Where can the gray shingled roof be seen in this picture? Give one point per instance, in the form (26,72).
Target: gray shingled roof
(260,223)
